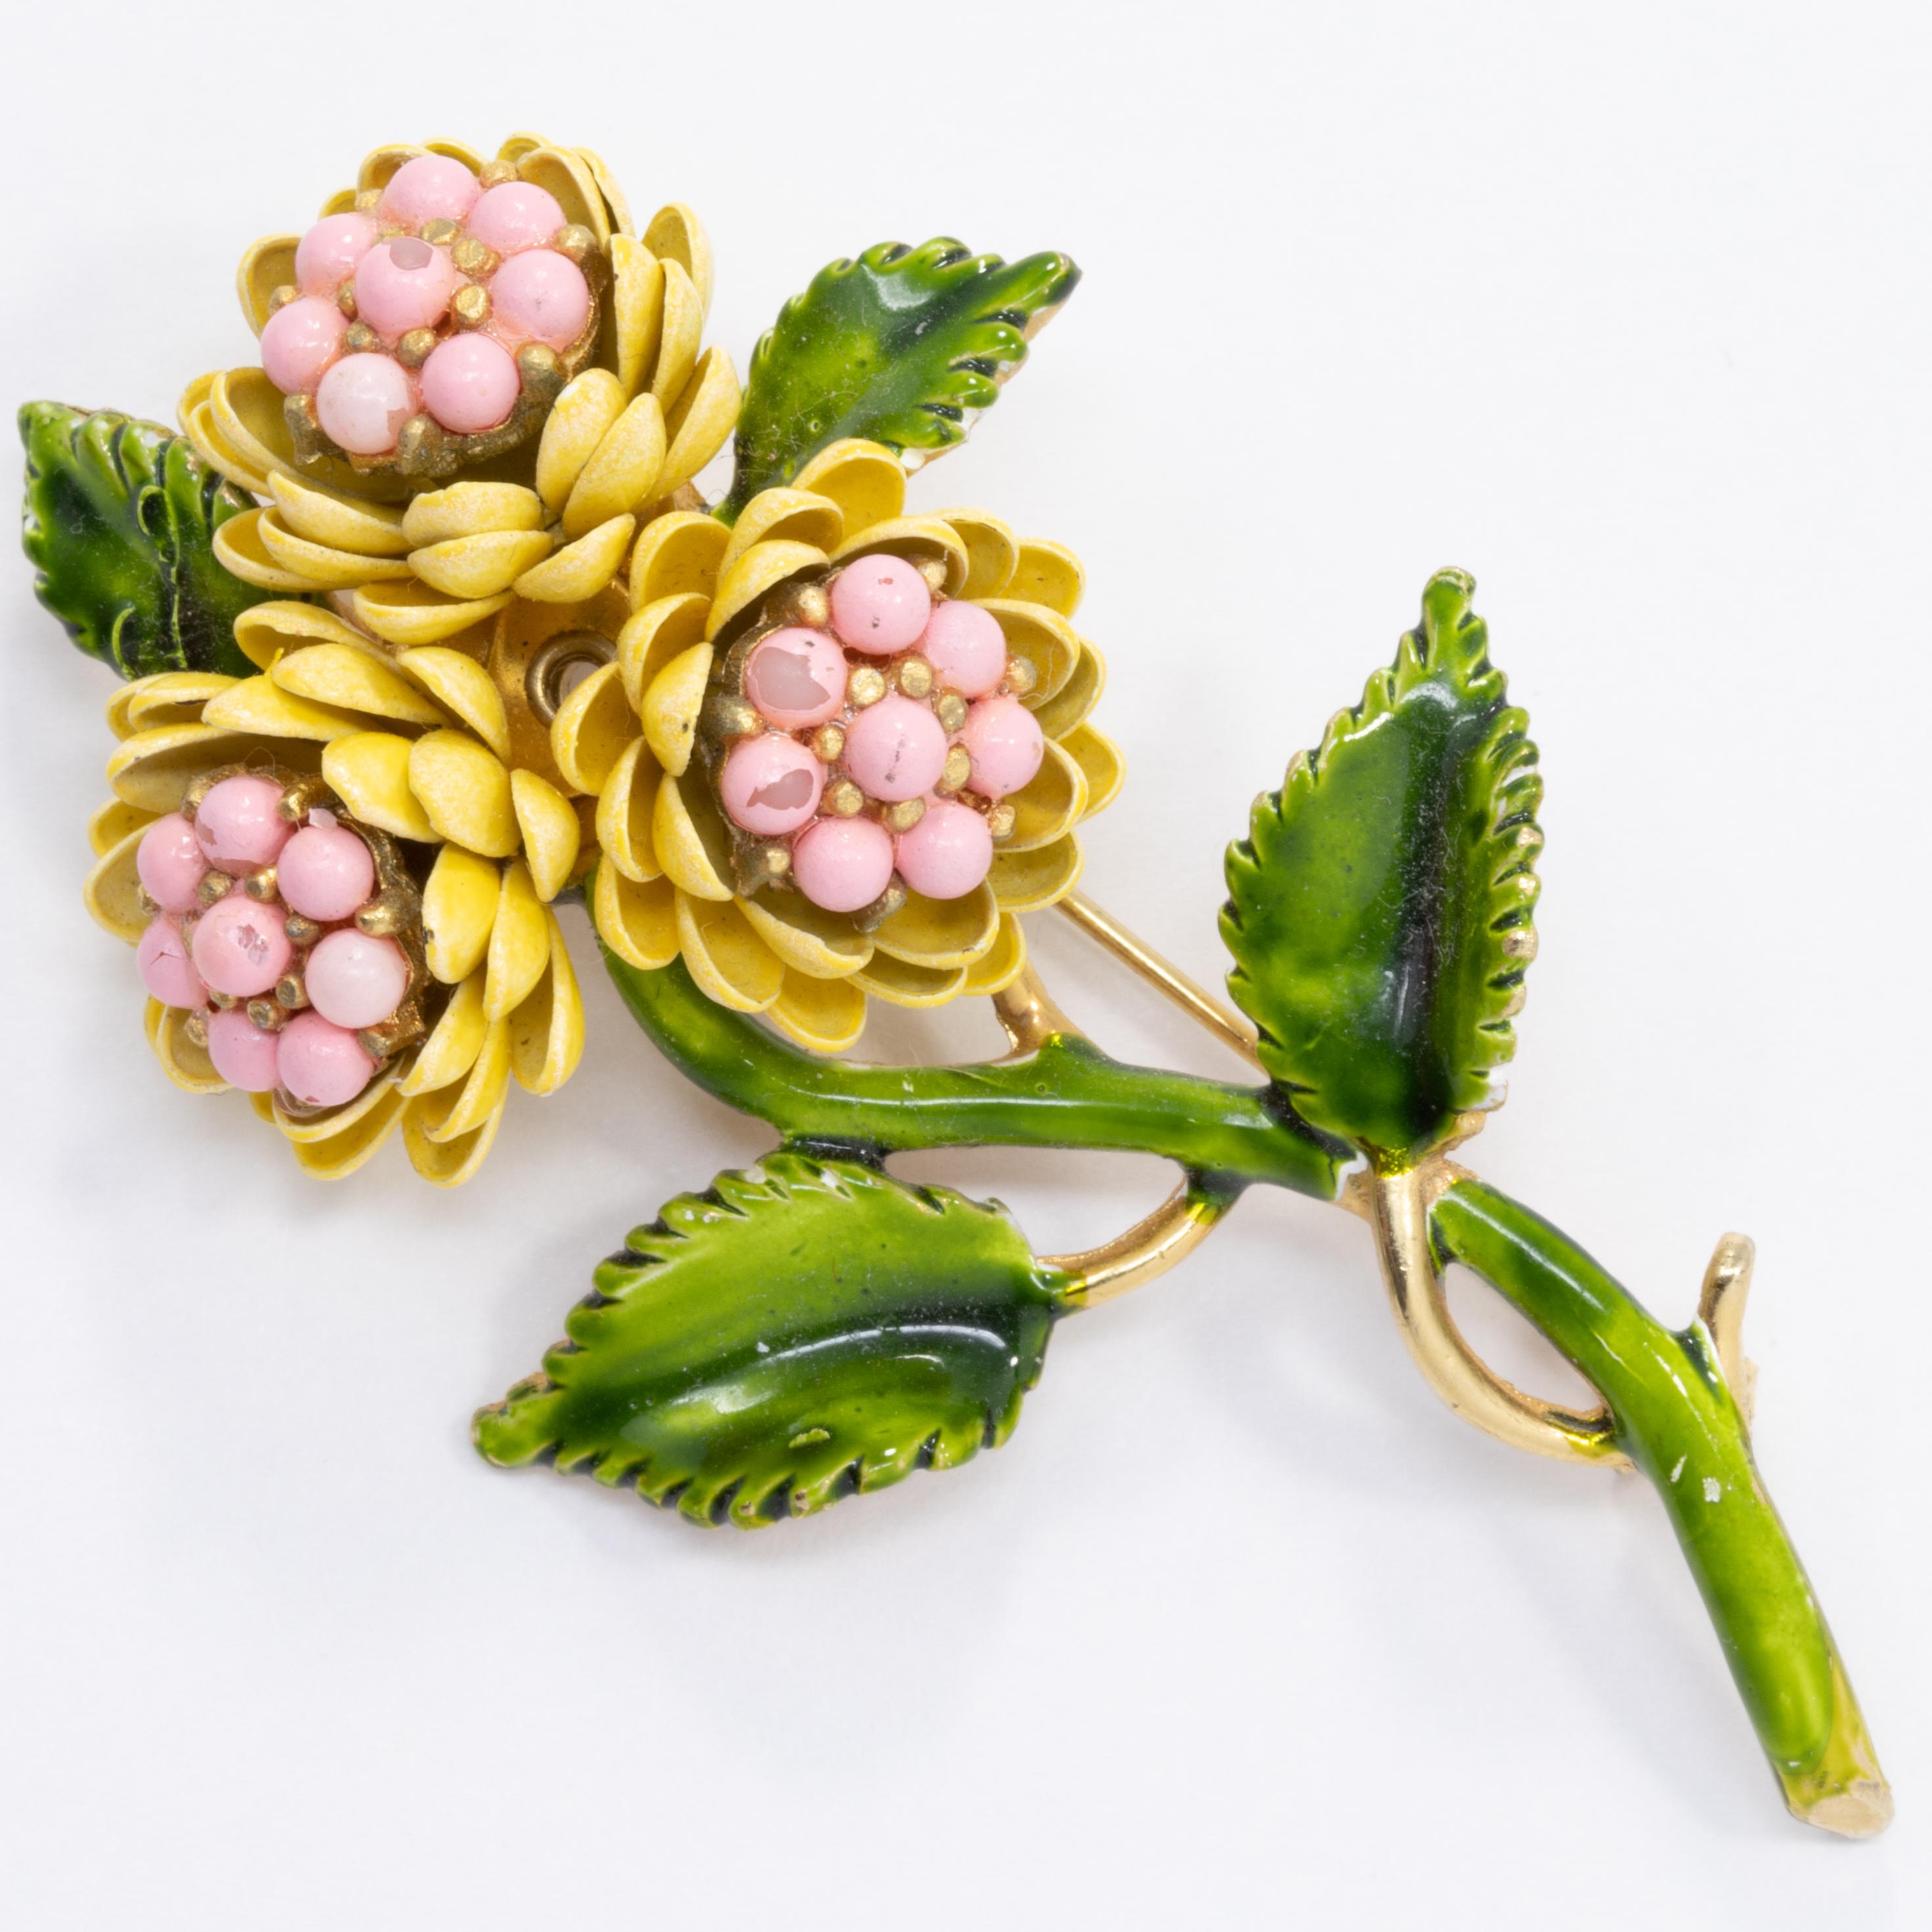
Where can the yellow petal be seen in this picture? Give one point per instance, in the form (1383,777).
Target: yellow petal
(246,413)
(724,954)
(168,698)
(353,678)
(1048,574)
(673,702)
(336,522)
(379,164)
(269,264)
(682,331)
(1052,802)
(941,933)
(592,728)
(547,1030)
(464,791)
(153,768)
(240,550)
(916,537)
(638,922)
(370,772)
(991,550)
(624,805)
(445,1163)
(677,553)
(578,419)
(324,1124)
(552,836)
(1043,637)
(821,1016)
(622,472)
(821,945)
(196,411)
(900,983)
(701,419)
(410,612)
(759,571)
(581,569)
(341,1154)
(656,633)
(459,910)
(865,479)
(454,1041)
(481,565)
(461,685)
(470,510)
(260,707)
(1001,963)
(185,1063)
(1058,715)
(112,892)
(637,305)
(1099,757)
(621,227)
(1026,881)
(112,823)
(448,1113)
(674,234)
(264,631)
(519,944)
(797,516)
(690,839)
(560,172)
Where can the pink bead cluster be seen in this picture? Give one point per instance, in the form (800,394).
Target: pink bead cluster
(782,782)
(213,953)
(394,270)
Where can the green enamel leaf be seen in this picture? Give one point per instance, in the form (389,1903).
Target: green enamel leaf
(1379,909)
(119,523)
(806,1328)
(903,346)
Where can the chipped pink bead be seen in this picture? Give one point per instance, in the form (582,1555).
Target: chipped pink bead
(514,215)
(540,296)
(327,255)
(880,605)
(429,187)
(239,948)
(170,863)
(325,872)
(243,1053)
(470,384)
(161,958)
(319,1063)
(771,785)
(796,678)
(404,283)
(363,403)
(966,647)
(356,979)
(895,748)
(947,853)
(300,342)
(239,824)
(842,864)
(1007,745)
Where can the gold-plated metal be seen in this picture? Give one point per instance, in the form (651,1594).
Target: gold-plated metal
(359,339)
(414,349)
(345,299)
(913,675)
(440,233)
(950,710)
(260,886)
(470,305)
(1163,1240)
(1001,820)
(904,816)
(866,685)
(1021,676)
(958,769)
(1720,1307)
(575,241)
(828,743)
(933,570)
(844,800)
(496,174)
(543,680)
(473,257)
(1028,1014)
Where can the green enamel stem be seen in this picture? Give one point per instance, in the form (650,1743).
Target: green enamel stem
(1067,1093)
(1679,1424)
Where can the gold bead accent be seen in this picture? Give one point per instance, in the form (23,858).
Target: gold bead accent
(419,446)
(470,305)
(933,569)
(904,816)
(866,685)
(146,904)
(260,886)
(359,339)
(383,916)
(195,1027)
(806,604)
(732,717)
(497,174)
(282,296)
(844,800)
(225,1002)
(771,861)
(541,371)
(198,790)
(300,931)
(828,744)
(440,233)
(576,242)
(266,1015)
(473,257)
(892,900)
(1000,820)
(413,350)
(915,675)
(950,710)
(345,299)
(290,994)
(1021,675)
(958,769)
(216,885)
(368,201)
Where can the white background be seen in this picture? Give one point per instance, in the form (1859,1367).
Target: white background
(1624,309)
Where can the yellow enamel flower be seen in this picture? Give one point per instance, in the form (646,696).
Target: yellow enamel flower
(420,752)
(426,538)
(655,732)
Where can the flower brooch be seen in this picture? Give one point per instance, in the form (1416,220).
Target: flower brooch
(425,625)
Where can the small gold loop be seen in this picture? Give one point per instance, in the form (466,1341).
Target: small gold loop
(1151,1246)
(543,682)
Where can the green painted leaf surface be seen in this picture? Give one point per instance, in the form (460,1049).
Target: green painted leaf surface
(806,1328)
(119,522)
(903,345)
(1379,909)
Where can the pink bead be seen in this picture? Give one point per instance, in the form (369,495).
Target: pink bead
(470,384)
(321,1064)
(363,403)
(240,826)
(517,215)
(770,785)
(403,284)
(244,1054)
(895,748)
(239,947)
(947,853)
(796,678)
(430,187)
(300,342)
(325,873)
(842,864)
(540,296)
(170,863)
(1007,745)
(880,605)
(355,980)
(327,255)
(966,647)
(161,959)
